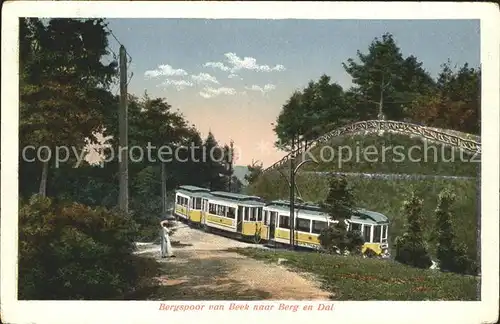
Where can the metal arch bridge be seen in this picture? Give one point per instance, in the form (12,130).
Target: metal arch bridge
(470,144)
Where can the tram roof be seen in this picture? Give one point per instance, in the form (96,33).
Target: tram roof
(194,188)
(236,196)
(360,214)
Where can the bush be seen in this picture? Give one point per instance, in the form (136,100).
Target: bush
(336,239)
(72,251)
(452,256)
(410,247)
(339,204)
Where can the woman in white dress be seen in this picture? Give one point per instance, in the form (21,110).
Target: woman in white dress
(166,246)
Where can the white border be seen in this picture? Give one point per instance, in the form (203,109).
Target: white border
(14,311)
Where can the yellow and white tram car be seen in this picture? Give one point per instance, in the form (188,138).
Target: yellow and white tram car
(235,214)
(188,203)
(310,221)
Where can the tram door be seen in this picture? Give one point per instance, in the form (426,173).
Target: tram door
(239,220)
(272,224)
(204,208)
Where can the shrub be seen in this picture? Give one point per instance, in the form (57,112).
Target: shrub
(72,251)
(452,255)
(339,204)
(410,247)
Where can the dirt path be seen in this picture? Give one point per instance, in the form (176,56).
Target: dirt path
(204,269)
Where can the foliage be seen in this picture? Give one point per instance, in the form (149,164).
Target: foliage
(410,247)
(254,171)
(63,83)
(356,278)
(383,77)
(384,81)
(451,254)
(72,251)
(455,103)
(339,204)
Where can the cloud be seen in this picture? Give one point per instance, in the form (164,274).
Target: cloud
(204,78)
(236,63)
(268,87)
(178,84)
(217,65)
(209,92)
(232,76)
(164,70)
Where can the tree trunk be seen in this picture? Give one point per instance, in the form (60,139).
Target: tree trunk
(163,190)
(43,181)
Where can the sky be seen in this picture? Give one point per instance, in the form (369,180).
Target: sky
(232,77)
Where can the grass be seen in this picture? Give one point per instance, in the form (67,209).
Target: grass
(355,278)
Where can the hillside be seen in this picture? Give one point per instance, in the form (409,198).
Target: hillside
(239,171)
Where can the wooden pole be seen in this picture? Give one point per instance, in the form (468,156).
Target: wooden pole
(123,130)
(163,190)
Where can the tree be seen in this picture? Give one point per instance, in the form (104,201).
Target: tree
(339,204)
(254,171)
(289,125)
(62,83)
(451,255)
(410,247)
(214,166)
(454,103)
(384,80)
(236,185)
(319,107)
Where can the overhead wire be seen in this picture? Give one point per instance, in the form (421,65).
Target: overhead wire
(116,58)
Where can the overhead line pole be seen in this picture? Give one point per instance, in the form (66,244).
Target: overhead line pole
(123,132)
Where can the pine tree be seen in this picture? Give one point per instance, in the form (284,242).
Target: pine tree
(451,255)
(411,248)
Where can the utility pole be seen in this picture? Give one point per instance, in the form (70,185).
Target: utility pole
(123,125)
(163,189)
(230,164)
(292,196)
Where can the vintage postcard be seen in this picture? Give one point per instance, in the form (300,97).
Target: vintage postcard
(249,161)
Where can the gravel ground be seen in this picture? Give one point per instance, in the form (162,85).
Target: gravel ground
(203,269)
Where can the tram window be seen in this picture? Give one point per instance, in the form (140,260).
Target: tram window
(197,203)
(366,233)
(273,218)
(318,226)
(253,214)
(376,233)
(240,214)
(303,225)
(230,212)
(191,203)
(384,231)
(355,227)
(284,221)
(264,214)
(259,214)
(178,200)
(212,209)
(247,213)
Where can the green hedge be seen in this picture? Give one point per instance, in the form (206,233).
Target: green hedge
(72,251)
